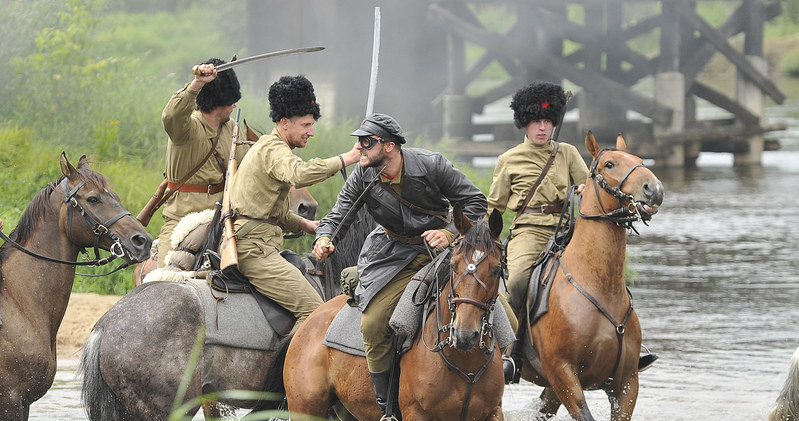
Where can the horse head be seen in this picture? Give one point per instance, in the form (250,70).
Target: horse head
(477,268)
(619,176)
(102,222)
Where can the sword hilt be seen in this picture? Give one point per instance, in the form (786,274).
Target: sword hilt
(196,71)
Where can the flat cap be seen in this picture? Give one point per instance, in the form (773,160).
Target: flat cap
(381,125)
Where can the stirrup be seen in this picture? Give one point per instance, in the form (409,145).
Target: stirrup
(511,371)
(388,418)
(646,360)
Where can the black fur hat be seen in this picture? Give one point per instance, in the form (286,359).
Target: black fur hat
(220,92)
(536,101)
(292,96)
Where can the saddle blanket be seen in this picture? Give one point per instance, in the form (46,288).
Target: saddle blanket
(234,319)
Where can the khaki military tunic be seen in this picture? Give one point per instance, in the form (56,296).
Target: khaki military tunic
(515,173)
(190,139)
(259,191)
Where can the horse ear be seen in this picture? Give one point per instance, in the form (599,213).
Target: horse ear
(66,168)
(83,161)
(462,222)
(495,223)
(620,143)
(591,145)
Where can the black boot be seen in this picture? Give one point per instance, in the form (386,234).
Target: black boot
(646,360)
(380,381)
(512,366)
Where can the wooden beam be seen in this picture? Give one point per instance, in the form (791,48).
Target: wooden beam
(615,92)
(720,100)
(740,61)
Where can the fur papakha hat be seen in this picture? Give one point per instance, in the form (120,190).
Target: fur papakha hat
(292,96)
(220,92)
(536,101)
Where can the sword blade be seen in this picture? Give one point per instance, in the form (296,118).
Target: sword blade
(230,64)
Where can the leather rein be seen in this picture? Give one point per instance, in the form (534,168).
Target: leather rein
(487,320)
(99,230)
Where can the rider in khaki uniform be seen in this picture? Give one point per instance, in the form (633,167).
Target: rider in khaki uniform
(259,196)
(192,118)
(537,108)
(427,184)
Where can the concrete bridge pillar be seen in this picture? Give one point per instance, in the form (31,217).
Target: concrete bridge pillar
(670,91)
(751,97)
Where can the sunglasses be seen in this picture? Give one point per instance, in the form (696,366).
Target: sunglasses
(368,142)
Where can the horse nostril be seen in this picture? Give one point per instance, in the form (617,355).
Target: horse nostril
(139,241)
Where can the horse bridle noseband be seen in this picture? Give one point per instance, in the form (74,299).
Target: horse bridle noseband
(98,229)
(623,216)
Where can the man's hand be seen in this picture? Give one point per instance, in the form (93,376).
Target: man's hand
(309,226)
(579,189)
(207,74)
(436,238)
(352,156)
(322,248)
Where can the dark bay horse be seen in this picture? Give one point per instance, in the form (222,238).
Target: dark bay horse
(461,379)
(591,337)
(138,351)
(78,211)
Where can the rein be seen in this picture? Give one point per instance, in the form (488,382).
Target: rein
(98,229)
(487,326)
(623,216)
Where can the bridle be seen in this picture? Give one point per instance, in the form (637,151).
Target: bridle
(99,230)
(623,216)
(486,330)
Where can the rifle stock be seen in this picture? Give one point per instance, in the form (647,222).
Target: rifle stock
(227,247)
(153,204)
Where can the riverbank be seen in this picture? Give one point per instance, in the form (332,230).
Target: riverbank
(83,311)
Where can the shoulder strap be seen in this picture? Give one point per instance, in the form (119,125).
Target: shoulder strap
(193,171)
(537,182)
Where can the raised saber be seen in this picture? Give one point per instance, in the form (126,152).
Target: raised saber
(230,64)
(370,100)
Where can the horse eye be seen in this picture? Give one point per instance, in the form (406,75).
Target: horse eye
(93,200)
(609,165)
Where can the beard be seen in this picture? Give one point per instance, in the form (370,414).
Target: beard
(376,162)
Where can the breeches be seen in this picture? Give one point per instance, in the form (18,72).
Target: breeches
(165,239)
(276,278)
(374,322)
(524,248)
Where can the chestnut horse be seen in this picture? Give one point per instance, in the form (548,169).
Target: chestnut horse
(38,268)
(454,371)
(591,337)
(300,202)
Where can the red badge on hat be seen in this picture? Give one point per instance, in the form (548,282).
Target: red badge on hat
(545,104)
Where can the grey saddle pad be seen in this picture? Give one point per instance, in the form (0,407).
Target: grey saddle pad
(235,320)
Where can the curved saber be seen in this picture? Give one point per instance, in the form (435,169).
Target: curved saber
(370,100)
(228,65)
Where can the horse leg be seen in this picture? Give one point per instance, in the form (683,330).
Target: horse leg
(571,394)
(622,398)
(550,403)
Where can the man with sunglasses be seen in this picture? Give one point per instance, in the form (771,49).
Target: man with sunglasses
(408,192)
(259,196)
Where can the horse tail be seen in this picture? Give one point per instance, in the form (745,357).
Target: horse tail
(787,405)
(274,377)
(99,400)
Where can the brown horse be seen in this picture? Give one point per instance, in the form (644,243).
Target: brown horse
(456,379)
(301,202)
(591,337)
(78,211)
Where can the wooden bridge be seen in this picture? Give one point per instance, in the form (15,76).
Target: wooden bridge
(636,67)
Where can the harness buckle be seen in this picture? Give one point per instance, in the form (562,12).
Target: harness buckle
(100,229)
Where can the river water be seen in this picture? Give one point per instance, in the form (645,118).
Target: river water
(716,292)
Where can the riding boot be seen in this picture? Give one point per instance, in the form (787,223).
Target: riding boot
(512,366)
(646,360)
(380,382)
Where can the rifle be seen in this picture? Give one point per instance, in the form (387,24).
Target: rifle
(153,204)
(227,247)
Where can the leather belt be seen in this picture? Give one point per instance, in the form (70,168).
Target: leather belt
(403,239)
(197,188)
(545,208)
(271,220)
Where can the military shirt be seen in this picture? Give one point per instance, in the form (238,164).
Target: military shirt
(190,139)
(519,168)
(260,187)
